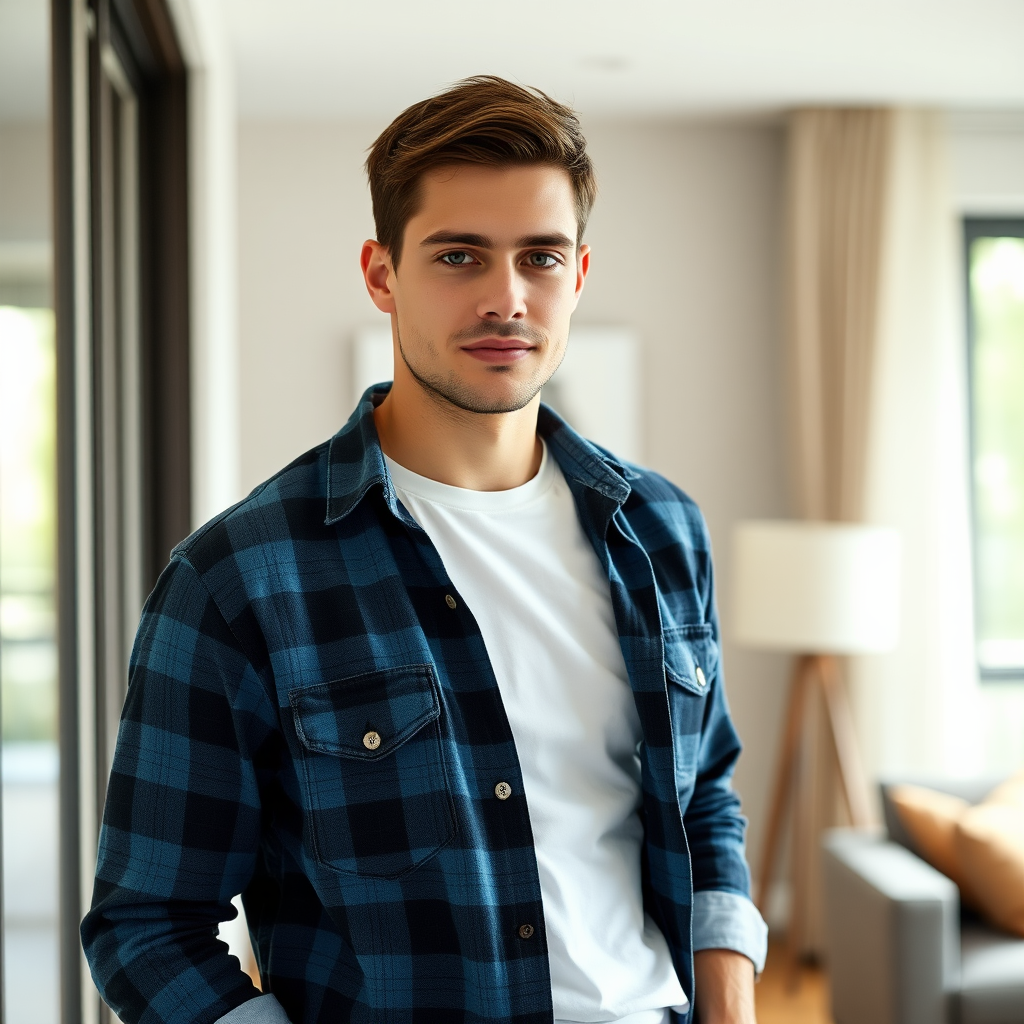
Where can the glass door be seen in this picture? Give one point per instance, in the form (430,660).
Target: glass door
(29,924)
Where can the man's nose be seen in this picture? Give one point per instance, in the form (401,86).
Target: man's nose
(504,294)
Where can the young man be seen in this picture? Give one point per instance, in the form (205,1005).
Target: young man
(441,699)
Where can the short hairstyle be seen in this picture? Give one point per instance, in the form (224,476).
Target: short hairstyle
(480,120)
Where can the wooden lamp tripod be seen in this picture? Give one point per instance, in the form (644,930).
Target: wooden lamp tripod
(831,588)
(791,786)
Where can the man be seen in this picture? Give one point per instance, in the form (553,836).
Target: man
(441,698)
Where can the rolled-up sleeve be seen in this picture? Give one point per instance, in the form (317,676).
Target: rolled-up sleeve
(725,920)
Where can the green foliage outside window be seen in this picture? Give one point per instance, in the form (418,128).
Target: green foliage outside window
(28,650)
(997,377)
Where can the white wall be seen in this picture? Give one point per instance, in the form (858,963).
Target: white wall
(303,212)
(24,181)
(25,221)
(213,255)
(686,251)
(986,156)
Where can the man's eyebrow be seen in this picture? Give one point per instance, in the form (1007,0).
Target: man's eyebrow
(555,241)
(552,241)
(458,238)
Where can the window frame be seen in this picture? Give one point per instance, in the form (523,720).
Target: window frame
(99,48)
(974,228)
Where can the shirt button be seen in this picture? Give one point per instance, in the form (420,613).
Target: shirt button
(371,740)
(526,931)
(502,790)
(701,681)
(450,601)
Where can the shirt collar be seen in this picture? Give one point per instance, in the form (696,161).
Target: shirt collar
(355,462)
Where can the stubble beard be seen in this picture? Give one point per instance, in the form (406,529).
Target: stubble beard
(449,389)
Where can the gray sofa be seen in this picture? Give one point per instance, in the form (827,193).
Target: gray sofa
(900,950)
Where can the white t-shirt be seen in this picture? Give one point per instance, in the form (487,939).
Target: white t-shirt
(527,572)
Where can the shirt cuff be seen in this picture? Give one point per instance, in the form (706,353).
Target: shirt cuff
(726,920)
(258,1010)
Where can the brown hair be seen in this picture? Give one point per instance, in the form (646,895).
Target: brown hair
(480,120)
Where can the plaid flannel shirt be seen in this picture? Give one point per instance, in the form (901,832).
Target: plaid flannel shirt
(388,884)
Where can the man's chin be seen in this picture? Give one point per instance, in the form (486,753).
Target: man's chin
(486,404)
(486,401)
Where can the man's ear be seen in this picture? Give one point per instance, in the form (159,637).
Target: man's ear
(378,274)
(582,269)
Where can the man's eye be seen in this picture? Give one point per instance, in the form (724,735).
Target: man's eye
(541,259)
(456,259)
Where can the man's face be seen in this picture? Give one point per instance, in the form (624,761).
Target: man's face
(488,278)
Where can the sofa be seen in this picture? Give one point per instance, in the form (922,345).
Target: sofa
(901,950)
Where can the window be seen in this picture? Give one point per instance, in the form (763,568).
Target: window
(28,661)
(29,664)
(995,277)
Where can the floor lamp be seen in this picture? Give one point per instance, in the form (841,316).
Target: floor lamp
(820,591)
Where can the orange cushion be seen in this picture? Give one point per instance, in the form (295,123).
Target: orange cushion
(981,848)
(990,851)
(931,819)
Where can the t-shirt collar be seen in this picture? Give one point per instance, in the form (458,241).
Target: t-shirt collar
(356,463)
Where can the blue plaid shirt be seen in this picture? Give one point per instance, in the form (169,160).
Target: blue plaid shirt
(383,880)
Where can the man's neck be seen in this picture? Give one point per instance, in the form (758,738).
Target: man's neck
(478,451)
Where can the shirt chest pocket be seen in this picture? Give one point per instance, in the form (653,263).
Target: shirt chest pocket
(691,663)
(375,787)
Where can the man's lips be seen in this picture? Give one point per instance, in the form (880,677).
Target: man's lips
(498,350)
(498,343)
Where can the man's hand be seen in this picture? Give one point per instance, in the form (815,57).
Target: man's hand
(724,982)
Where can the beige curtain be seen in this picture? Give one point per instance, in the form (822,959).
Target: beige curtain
(838,164)
(919,707)
(837,204)
(878,427)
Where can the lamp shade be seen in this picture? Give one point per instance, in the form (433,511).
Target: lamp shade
(816,588)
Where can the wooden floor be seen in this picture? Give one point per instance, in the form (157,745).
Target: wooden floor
(788,997)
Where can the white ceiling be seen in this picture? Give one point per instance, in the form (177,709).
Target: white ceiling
(348,59)
(340,58)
